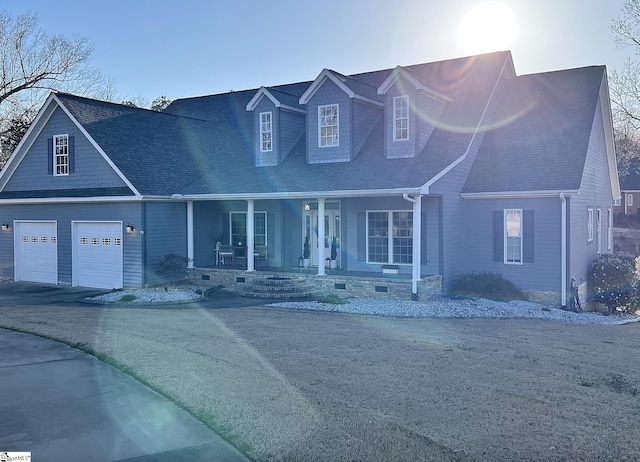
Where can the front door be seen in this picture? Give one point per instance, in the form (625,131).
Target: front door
(331,229)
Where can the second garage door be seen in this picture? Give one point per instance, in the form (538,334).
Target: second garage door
(97,254)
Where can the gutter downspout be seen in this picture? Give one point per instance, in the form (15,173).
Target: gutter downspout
(417,238)
(563,250)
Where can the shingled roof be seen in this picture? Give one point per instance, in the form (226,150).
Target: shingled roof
(205,145)
(540,133)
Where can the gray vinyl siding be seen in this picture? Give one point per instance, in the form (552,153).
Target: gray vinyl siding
(64,214)
(365,117)
(595,192)
(329,93)
(269,158)
(165,232)
(91,169)
(292,128)
(454,224)
(475,248)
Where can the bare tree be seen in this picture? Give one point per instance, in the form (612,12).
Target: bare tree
(625,82)
(33,63)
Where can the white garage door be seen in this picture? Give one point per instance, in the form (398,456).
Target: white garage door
(36,251)
(97,254)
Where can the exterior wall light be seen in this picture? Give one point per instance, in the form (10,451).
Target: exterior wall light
(5,226)
(129,228)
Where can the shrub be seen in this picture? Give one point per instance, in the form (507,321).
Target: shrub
(486,285)
(172,266)
(613,281)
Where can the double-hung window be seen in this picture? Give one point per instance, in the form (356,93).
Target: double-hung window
(513,236)
(589,225)
(265,132)
(390,237)
(61,155)
(629,200)
(238,224)
(401,118)
(328,126)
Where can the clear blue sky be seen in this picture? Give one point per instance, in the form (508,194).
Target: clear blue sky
(194,47)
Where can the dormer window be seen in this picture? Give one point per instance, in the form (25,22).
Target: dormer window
(328,126)
(401,118)
(61,155)
(265,132)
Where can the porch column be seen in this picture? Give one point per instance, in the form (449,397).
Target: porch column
(190,234)
(250,236)
(320,250)
(417,239)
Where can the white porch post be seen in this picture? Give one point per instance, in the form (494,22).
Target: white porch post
(320,250)
(250,236)
(417,240)
(190,234)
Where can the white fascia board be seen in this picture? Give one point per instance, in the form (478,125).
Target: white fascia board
(261,93)
(25,143)
(98,148)
(517,194)
(607,119)
(301,194)
(317,83)
(402,72)
(71,200)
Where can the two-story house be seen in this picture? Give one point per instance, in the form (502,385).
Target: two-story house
(434,169)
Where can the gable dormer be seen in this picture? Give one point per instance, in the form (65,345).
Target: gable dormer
(341,113)
(412,111)
(279,122)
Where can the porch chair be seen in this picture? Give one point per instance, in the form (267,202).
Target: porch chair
(259,253)
(224,251)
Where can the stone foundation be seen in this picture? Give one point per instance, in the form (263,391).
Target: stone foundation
(340,285)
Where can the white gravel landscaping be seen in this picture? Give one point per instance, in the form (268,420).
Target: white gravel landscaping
(183,293)
(441,307)
(444,307)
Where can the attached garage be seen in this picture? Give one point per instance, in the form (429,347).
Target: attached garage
(97,254)
(36,251)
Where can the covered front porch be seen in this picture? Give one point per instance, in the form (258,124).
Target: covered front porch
(384,244)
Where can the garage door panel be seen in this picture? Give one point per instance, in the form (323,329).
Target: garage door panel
(98,254)
(36,252)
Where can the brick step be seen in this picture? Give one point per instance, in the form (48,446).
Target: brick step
(278,288)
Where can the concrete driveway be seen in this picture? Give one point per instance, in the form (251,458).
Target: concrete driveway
(62,404)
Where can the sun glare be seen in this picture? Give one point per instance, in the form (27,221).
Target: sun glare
(487,27)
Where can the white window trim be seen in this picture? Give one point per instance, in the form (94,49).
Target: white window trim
(389,237)
(270,131)
(395,117)
(244,212)
(629,200)
(616,202)
(320,126)
(590,224)
(599,230)
(55,155)
(504,231)
(609,229)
